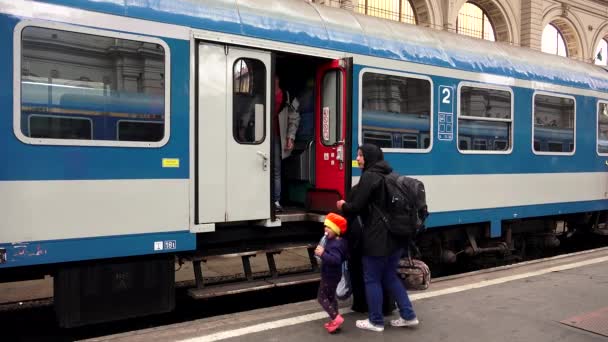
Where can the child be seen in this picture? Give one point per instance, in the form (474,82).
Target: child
(332,256)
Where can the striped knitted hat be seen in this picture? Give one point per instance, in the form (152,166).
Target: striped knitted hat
(336,223)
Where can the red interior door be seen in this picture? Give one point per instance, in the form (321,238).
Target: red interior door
(331,128)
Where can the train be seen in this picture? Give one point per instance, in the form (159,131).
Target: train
(138,133)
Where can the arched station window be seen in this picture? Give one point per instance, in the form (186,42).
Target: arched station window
(553,41)
(601,53)
(474,22)
(397,10)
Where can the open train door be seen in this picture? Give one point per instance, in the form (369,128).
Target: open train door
(232,169)
(332,138)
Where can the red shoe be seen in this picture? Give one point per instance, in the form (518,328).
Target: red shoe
(335,324)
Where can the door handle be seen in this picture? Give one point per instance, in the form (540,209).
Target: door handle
(264,159)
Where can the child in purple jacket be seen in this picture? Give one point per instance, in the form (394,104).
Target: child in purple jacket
(332,255)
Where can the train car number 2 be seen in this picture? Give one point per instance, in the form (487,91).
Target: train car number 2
(445,129)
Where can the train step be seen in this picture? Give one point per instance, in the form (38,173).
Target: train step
(254,285)
(250,283)
(299,215)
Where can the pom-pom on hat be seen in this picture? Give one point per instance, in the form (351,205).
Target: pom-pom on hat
(336,223)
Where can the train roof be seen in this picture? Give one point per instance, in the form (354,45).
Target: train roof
(300,22)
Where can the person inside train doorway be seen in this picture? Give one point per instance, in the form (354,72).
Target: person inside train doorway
(381,250)
(285,122)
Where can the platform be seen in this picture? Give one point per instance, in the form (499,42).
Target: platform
(537,301)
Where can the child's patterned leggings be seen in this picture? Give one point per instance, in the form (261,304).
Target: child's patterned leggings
(327,296)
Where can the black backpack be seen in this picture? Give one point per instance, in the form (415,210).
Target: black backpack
(406,208)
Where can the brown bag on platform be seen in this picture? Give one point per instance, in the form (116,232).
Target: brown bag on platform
(414,273)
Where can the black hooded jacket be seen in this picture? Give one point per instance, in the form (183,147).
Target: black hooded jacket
(370,191)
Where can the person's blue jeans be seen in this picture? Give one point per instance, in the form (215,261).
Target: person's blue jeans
(379,271)
(276,169)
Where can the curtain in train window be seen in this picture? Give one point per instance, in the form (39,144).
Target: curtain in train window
(602,128)
(80,86)
(248,101)
(554,118)
(396,111)
(485,118)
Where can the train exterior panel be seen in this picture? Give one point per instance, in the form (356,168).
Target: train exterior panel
(489,187)
(138,155)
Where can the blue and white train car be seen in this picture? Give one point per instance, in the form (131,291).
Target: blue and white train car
(136,131)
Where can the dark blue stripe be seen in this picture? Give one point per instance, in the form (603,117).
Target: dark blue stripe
(450,218)
(47,252)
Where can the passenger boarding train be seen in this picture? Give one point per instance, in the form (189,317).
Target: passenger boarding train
(137,132)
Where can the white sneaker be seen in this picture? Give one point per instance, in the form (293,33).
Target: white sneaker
(367,325)
(400,322)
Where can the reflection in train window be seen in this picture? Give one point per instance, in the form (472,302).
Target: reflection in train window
(425,139)
(382,140)
(602,128)
(410,141)
(59,127)
(463,144)
(69,76)
(500,145)
(554,147)
(399,108)
(485,116)
(554,118)
(140,131)
(480,144)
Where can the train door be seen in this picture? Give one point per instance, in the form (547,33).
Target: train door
(332,105)
(232,168)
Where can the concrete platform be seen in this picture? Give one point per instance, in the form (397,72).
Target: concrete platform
(523,303)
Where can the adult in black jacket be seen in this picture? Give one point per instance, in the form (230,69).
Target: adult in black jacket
(381,251)
(355,265)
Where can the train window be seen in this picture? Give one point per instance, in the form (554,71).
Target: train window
(331,104)
(139,131)
(57,127)
(410,141)
(243,77)
(382,140)
(248,101)
(602,128)
(554,124)
(80,80)
(485,114)
(397,104)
